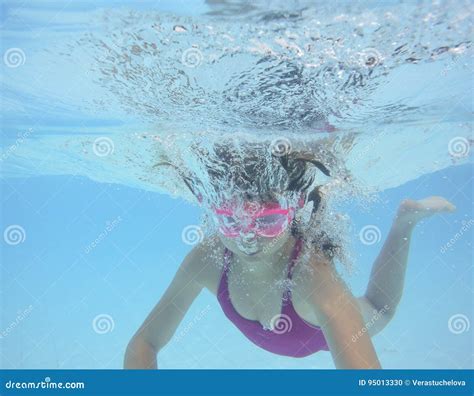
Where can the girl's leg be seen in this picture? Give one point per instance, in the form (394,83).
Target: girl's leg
(387,277)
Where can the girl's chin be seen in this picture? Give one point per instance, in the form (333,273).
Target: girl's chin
(254,253)
(249,252)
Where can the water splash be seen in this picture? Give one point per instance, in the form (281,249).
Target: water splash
(359,87)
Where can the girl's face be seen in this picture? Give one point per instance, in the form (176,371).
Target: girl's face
(252,229)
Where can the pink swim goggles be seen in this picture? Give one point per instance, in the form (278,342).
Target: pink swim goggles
(267,220)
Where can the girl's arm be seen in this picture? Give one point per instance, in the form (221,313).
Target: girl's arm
(387,277)
(162,322)
(340,319)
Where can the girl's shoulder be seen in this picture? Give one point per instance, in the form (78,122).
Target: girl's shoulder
(207,262)
(315,266)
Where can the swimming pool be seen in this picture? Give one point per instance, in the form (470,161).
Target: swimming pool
(93,96)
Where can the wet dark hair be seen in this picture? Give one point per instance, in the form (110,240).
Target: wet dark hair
(250,172)
(321,239)
(248,175)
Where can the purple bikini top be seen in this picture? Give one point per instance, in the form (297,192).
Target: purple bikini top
(291,334)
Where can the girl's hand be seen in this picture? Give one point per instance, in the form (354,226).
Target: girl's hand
(411,212)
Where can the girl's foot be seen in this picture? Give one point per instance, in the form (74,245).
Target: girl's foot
(411,211)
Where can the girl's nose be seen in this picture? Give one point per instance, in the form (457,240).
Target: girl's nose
(247,235)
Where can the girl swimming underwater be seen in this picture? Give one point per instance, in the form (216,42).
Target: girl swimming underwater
(276,283)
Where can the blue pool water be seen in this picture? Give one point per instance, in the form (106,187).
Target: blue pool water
(92,233)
